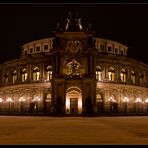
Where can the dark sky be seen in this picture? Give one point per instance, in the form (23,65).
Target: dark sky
(23,23)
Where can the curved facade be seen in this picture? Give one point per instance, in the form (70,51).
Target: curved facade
(74,73)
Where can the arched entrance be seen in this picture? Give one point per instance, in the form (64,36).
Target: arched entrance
(73,101)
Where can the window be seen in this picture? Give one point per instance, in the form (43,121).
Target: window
(116,50)
(36,74)
(14,76)
(141,78)
(133,80)
(48,97)
(121,52)
(99,102)
(31,50)
(111,74)
(25,52)
(49,73)
(98,98)
(24,74)
(109,48)
(101,47)
(45,47)
(37,48)
(123,75)
(98,73)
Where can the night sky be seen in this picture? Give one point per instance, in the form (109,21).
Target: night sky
(23,23)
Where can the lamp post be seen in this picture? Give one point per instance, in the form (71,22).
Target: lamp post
(111,100)
(126,100)
(146,101)
(9,100)
(1,101)
(21,100)
(37,103)
(138,100)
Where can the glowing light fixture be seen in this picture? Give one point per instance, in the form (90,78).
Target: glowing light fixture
(138,100)
(9,100)
(111,99)
(146,100)
(125,99)
(21,99)
(1,100)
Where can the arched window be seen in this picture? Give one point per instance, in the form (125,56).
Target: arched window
(99,101)
(111,74)
(141,78)
(48,73)
(133,79)
(24,74)
(98,73)
(123,75)
(14,76)
(73,68)
(48,97)
(36,74)
(98,98)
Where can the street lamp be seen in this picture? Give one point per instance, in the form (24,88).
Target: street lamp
(9,100)
(138,100)
(37,103)
(146,101)
(21,100)
(1,101)
(125,100)
(112,101)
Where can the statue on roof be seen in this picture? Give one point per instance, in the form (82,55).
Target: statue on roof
(73,23)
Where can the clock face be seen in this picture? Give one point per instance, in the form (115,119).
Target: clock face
(73,46)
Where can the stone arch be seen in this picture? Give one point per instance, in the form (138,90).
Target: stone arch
(73,102)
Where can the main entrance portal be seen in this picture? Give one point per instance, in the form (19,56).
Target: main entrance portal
(73,101)
(74,105)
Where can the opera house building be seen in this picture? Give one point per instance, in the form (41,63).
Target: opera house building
(74,73)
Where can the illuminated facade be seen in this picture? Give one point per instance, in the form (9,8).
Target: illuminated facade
(73,73)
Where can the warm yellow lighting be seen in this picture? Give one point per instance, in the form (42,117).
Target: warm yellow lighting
(79,105)
(99,75)
(37,98)
(111,99)
(146,100)
(21,99)
(73,94)
(37,75)
(9,100)
(67,105)
(138,100)
(1,100)
(99,98)
(111,76)
(125,99)
(25,76)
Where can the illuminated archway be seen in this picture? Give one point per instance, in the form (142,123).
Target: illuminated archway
(73,100)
